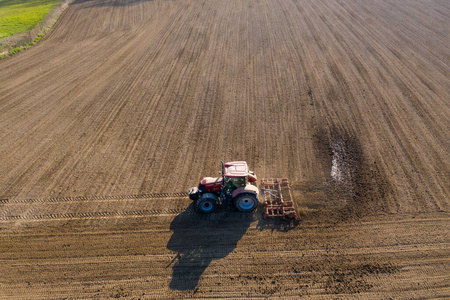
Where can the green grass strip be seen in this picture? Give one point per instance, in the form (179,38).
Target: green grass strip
(18,16)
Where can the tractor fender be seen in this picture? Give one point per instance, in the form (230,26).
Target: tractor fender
(210,196)
(245,189)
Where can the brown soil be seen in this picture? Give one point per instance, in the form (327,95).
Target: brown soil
(124,105)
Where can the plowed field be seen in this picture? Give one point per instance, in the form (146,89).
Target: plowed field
(124,105)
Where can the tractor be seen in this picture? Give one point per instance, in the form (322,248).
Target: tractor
(236,186)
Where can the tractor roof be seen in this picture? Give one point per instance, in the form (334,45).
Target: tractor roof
(236,169)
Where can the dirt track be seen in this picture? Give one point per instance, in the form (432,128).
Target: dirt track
(109,120)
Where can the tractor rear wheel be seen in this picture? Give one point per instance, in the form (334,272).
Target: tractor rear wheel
(206,205)
(246,202)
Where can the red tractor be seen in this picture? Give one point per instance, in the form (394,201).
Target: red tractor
(236,186)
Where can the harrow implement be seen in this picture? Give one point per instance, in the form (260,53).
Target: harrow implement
(278,202)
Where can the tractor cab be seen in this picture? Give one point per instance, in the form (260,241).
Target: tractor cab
(235,186)
(238,169)
(236,175)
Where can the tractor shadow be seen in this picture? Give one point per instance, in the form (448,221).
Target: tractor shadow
(199,239)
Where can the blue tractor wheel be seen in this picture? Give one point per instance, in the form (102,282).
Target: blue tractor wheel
(206,205)
(246,202)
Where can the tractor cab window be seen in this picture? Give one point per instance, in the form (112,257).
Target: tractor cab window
(235,182)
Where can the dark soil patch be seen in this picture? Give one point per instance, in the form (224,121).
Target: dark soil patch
(357,185)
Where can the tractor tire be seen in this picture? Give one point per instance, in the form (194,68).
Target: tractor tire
(206,205)
(246,202)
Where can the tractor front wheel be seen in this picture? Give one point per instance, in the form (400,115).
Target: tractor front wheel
(206,205)
(246,202)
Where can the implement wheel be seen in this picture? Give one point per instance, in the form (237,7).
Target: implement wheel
(206,205)
(246,202)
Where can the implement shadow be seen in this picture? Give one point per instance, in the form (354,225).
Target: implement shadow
(281,225)
(198,239)
(274,224)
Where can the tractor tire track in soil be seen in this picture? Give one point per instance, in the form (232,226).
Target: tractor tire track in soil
(94,206)
(138,99)
(94,214)
(90,198)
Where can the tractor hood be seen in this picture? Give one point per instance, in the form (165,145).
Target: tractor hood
(211,180)
(211,184)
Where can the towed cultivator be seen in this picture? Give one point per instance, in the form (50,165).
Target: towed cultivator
(278,202)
